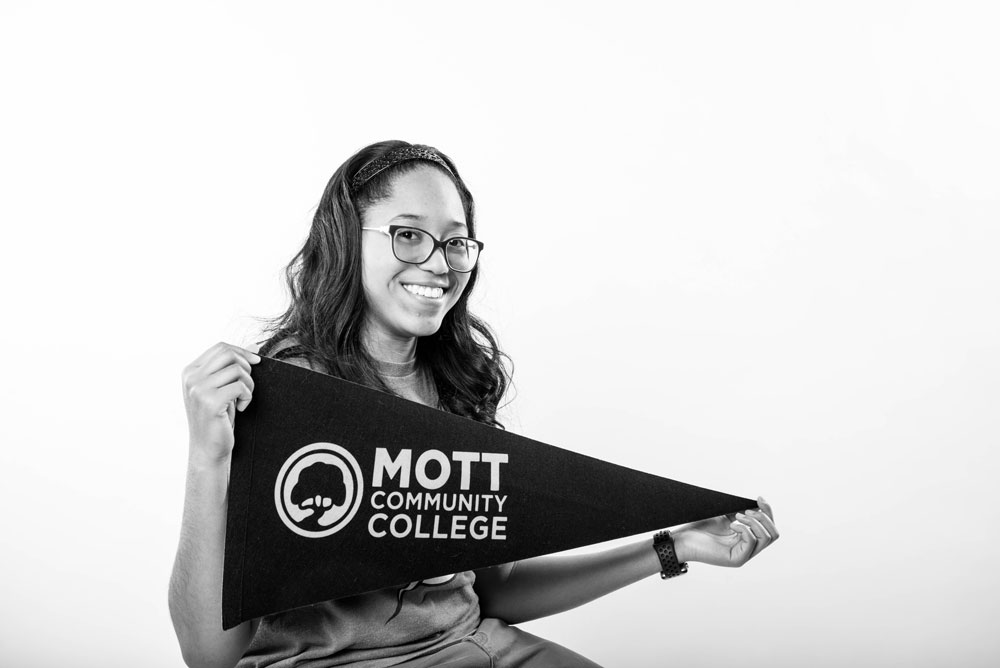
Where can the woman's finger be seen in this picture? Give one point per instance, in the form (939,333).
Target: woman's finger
(755,526)
(222,361)
(748,541)
(237,392)
(227,356)
(765,506)
(766,521)
(228,374)
(204,395)
(222,354)
(759,532)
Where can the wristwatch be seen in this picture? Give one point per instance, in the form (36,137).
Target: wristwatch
(663,543)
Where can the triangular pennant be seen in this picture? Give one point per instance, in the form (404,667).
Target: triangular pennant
(337,489)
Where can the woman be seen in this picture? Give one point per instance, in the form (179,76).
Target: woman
(379,296)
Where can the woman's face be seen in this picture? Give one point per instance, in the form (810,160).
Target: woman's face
(427,199)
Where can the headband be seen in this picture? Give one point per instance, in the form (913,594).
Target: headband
(394,157)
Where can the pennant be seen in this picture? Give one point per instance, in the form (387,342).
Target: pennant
(337,489)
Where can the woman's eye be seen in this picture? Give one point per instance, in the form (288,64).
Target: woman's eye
(458,242)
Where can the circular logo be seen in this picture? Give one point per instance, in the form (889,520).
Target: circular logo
(318,490)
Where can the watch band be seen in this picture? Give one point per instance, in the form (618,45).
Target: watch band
(663,543)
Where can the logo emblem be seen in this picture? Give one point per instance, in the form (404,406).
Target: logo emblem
(318,490)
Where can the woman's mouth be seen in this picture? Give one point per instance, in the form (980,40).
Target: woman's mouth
(426,291)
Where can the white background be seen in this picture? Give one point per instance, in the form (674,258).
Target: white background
(747,246)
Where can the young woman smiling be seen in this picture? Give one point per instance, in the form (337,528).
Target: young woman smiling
(379,295)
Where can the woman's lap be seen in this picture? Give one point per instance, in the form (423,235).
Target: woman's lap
(497,645)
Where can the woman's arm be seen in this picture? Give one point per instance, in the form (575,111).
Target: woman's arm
(542,586)
(195,597)
(216,385)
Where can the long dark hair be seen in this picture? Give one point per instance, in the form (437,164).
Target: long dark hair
(326,316)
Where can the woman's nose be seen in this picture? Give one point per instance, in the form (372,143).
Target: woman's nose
(436,263)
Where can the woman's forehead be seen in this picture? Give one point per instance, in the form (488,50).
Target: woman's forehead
(423,195)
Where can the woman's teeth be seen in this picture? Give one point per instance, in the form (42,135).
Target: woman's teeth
(424,290)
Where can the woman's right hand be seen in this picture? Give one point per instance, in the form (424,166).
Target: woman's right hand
(727,540)
(216,385)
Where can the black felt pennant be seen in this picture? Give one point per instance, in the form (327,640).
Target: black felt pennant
(336,489)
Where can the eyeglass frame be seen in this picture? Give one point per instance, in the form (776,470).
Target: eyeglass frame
(390,231)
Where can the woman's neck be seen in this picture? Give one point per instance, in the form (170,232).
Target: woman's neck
(388,348)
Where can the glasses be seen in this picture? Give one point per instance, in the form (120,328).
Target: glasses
(415,246)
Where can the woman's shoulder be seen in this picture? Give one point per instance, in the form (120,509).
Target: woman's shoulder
(280,346)
(289,350)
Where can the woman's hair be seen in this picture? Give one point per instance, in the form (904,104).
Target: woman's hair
(326,317)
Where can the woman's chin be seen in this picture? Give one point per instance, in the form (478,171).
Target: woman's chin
(414,327)
(425,329)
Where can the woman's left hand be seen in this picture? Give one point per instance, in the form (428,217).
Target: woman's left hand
(728,540)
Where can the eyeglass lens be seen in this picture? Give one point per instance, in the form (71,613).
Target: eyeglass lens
(416,246)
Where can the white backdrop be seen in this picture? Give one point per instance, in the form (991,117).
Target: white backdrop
(748,246)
